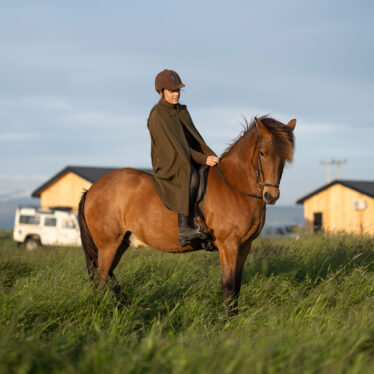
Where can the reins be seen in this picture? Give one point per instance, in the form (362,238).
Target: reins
(259,173)
(234,188)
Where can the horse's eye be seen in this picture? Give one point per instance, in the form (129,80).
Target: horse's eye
(262,154)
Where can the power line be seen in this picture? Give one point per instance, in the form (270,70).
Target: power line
(338,164)
(328,169)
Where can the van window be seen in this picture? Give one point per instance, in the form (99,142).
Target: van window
(68,223)
(29,220)
(279,231)
(50,221)
(267,231)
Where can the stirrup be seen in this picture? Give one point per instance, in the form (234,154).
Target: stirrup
(201,225)
(198,235)
(194,220)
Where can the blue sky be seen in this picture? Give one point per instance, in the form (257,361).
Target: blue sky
(77,81)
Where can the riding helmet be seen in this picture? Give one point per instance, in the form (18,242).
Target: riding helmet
(168,79)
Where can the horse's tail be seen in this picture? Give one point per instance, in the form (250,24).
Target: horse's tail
(88,244)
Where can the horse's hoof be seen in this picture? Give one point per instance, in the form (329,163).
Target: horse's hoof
(122,301)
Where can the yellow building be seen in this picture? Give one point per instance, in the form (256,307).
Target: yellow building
(342,205)
(64,190)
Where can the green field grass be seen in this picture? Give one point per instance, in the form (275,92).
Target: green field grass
(306,306)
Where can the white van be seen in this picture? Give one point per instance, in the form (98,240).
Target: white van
(280,231)
(34,227)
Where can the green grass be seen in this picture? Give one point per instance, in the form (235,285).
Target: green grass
(306,306)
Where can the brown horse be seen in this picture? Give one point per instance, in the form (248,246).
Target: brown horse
(123,209)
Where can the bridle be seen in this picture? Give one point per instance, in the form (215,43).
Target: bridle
(260,169)
(260,176)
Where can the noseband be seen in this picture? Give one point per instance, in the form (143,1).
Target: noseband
(260,176)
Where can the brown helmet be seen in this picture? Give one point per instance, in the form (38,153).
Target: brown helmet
(168,79)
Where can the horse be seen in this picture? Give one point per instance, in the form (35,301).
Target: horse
(122,208)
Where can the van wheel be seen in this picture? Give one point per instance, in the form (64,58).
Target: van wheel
(31,244)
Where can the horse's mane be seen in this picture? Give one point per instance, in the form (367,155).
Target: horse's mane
(283,138)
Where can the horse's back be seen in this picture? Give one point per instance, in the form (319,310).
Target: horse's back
(126,200)
(116,178)
(113,194)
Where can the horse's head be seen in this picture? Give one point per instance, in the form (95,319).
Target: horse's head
(275,147)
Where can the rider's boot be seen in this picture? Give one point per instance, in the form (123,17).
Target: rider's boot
(186,233)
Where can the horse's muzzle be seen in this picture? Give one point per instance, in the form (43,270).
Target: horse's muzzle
(270,198)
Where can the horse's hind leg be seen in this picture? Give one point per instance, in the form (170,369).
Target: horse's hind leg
(121,297)
(108,258)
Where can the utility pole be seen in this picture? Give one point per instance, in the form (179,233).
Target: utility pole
(328,168)
(339,163)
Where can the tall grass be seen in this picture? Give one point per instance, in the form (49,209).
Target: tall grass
(306,306)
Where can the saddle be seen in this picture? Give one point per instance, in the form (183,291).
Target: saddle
(203,174)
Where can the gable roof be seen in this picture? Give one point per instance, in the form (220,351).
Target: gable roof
(365,187)
(91,174)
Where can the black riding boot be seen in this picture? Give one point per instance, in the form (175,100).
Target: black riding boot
(186,233)
(187,229)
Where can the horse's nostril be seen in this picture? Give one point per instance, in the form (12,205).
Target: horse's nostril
(269,198)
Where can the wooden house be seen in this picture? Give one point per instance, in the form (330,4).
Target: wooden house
(64,190)
(342,205)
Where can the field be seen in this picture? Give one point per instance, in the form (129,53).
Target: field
(306,306)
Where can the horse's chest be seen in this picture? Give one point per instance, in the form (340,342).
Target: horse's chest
(255,226)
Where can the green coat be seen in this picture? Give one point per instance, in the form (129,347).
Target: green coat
(175,141)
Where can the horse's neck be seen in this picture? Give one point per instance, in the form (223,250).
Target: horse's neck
(239,168)
(238,165)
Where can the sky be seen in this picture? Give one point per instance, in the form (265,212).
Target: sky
(77,81)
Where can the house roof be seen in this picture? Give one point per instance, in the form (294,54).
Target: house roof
(89,173)
(365,187)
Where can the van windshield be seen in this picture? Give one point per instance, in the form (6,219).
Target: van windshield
(68,223)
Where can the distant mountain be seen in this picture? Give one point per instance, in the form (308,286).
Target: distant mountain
(8,206)
(285,215)
(275,215)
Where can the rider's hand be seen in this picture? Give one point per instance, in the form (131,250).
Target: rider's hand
(212,160)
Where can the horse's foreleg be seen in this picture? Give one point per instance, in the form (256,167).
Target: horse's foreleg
(232,258)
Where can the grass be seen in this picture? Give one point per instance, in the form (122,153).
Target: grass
(306,306)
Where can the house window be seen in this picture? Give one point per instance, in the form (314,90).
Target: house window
(317,222)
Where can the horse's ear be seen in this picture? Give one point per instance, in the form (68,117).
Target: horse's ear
(260,127)
(292,124)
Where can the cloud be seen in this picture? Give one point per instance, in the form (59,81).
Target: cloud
(19,185)
(320,128)
(101,119)
(82,94)
(16,137)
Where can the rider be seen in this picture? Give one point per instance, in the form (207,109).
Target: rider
(177,151)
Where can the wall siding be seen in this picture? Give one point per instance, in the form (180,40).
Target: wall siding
(65,191)
(336,206)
